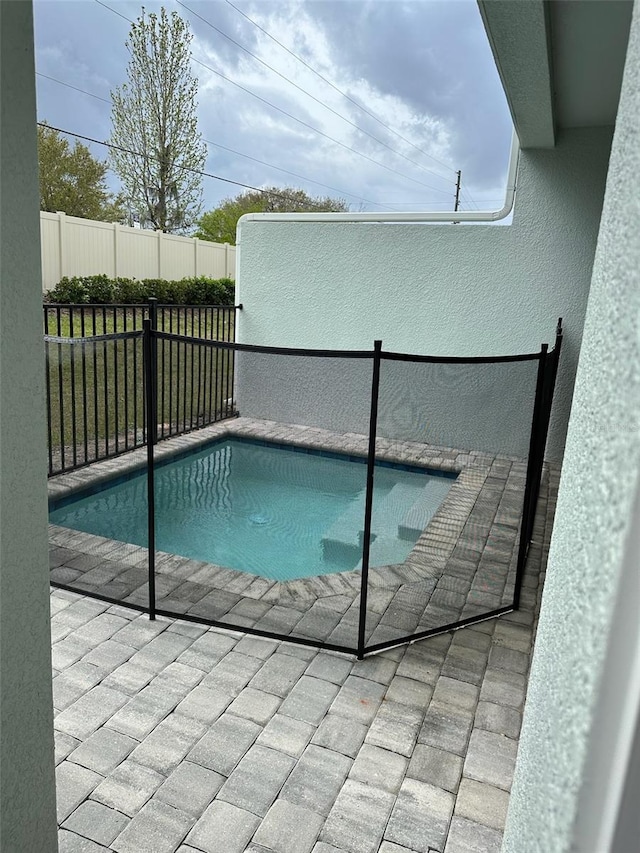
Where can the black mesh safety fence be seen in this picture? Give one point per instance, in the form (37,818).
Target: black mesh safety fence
(348,500)
(99,544)
(281,493)
(445,535)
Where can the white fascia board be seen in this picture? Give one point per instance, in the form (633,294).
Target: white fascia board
(520,37)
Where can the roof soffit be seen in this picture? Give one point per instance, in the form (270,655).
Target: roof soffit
(519,35)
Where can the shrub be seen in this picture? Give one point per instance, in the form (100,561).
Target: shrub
(128,291)
(100,289)
(207,291)
(164,291)
(68,290)
(224,289)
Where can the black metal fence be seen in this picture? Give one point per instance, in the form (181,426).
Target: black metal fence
(95,376)
(468,562)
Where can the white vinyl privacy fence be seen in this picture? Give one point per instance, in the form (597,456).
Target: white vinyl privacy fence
(72,246)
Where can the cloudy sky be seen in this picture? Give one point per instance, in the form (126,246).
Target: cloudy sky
(378,102)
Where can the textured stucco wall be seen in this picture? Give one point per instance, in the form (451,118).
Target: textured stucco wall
(600,478)
(441,290)
(27,790)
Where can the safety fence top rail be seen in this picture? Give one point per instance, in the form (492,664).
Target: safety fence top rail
(319,353)
(458,359)
(329,353)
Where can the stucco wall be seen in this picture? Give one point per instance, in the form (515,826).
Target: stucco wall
(27,789)
(600,479)
(442,290)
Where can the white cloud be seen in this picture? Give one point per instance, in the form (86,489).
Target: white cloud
(389,57)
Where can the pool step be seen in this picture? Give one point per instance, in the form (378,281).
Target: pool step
(347,531)
(344,537)
(385,551)
(422,511)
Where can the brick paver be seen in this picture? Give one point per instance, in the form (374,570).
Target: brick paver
(174,737)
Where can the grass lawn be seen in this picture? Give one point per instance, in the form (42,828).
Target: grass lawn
(92,320)
(95,390)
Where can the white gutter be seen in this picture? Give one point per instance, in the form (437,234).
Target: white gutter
(416,216)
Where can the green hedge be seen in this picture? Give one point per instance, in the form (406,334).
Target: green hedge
(100,289)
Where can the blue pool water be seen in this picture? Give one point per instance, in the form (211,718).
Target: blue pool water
(265,509)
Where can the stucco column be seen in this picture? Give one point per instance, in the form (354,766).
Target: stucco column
(27,787)
(574,787)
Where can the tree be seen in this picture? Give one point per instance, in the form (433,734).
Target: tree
(72,180)
(154,118)
(220,224)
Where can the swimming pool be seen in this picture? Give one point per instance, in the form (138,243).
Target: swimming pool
(266,509)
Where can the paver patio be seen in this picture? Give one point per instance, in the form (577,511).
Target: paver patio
(174,737)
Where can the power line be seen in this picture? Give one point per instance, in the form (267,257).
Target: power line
(157,159)
(317,130)
(471,200)
(120,15)
(406,205)
(466,195)
(232,151)
(337,89)
(308,94)
(76,88)
(300,121)
(229,180)
(295,174)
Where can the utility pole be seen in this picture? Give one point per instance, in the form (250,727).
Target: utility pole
(457,204)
